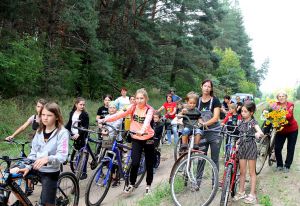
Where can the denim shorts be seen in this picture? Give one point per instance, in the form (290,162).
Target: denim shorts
(187,131)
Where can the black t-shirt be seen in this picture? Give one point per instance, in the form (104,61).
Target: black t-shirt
(239,104)
(205,106)
(47,135)
(102,112)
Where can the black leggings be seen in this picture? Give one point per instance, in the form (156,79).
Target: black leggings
(291,143)
(137,149)
(49,187)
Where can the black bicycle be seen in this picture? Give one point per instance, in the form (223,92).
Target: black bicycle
(67,188)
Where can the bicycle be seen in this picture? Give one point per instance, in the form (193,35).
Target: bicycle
(228,138)
(265,148)
(79,158)
(65,195)
(194,176)
(231,172)
(101,179)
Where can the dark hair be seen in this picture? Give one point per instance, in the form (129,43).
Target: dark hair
(109,96)
(227,97)
(77,100)
(169,95)
(158,114)
(124,88)
(212,86)
(250,106)
(53,108)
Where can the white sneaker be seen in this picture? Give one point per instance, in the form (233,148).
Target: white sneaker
(148,190)
(128,189)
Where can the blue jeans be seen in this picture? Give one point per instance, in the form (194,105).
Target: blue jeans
(175,133)
(187,131)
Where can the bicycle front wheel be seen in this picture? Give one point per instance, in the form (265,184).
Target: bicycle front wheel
(68,190)
(98,185)
(226,186)
(197,184)
(262,154)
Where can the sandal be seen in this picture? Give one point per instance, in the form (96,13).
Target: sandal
(250,199)
(239,195)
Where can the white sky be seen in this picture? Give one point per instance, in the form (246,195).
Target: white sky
(274,27)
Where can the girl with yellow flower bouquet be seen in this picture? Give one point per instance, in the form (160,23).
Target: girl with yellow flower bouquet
(287,129)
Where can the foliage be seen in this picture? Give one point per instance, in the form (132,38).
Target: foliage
(265,200)
(298,93)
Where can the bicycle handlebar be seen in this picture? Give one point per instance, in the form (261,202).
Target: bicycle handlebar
(17,142)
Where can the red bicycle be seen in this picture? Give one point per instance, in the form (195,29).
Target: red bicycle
(231,175)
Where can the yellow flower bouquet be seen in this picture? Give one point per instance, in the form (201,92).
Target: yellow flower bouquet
(275,115)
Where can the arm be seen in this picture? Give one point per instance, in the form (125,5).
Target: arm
(33,151)
(62,149)
(215,118)
(120,114)
(290,114)
(161,108)
(226,119)
(19,130)
(259,132)
(147,120)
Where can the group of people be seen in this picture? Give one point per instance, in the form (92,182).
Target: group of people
(50,143)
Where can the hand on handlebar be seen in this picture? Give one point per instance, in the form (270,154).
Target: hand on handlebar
(75,136)
(23,171)
(9,138)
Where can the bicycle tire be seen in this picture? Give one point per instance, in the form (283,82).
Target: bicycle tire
(74,155)
(272,145)
(80,166)
(226,186)
(163,136)
(236,182)
(177,148)
(67,195)
(262,154)
(206,173)
(100,176)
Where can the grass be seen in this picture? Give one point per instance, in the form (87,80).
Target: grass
(159,194)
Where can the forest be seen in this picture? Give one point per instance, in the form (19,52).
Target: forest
(92,47)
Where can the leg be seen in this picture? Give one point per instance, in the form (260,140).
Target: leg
(252,173)
(279,142)
(291,143)
(169,135)
(149,157)
(175,133)
(137,146)
(49,187)
(243,167)
(215,146)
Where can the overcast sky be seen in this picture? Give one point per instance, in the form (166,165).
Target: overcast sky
(273,26)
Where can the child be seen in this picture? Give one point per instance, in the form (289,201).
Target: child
(49,150)
(103,111)
(232,118)
(248,151)
(195,116)
(112,109)
(157,126)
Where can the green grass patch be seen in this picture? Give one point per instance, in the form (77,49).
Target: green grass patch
(159,194)
(265,200)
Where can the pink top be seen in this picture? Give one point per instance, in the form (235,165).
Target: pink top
(141,118)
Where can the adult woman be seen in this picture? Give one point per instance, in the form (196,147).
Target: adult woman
(103,111)
(49,150)
(170,108)
(141,114)
(289,132)
(210,107)
(78,113)
(34,120)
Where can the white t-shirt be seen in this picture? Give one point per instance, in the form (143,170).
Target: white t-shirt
(75,118)
(122,102)
(37,119)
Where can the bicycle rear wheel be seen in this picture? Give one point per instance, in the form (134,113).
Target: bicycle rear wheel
(83,158)
(98,185)
(196,185)
(262,154)
(73,159)
(271,149)
(226,186)
(177,149)
(68,190)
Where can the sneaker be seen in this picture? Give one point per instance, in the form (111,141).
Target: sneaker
(115,183)
(128,189)
(278,169)
(286,170)
(83,176)
(250,199)
(239,195)
(194,187)
(148,190)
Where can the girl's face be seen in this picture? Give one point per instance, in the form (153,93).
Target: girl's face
(80,106)
(38,107)
(282,98)
(156,118)
(206,88)
(112,110)
(123,92)
(106,101)
(231,110)
(48,118)
(132,100)
(140,99)
(246,114)
(191,104)
(169,98)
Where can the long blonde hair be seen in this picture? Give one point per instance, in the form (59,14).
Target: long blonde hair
(143,92)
